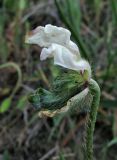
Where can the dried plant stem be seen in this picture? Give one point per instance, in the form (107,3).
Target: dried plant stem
(95,91)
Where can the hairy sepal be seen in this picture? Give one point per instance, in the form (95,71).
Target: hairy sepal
(63,89)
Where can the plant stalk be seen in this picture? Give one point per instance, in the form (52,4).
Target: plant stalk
(95,91)
(16,67)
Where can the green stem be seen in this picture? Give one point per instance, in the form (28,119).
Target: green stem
(95,91)
(16,67)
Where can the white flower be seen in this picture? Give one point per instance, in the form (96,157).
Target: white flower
(56,42)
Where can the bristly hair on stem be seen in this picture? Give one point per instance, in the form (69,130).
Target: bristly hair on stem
(95,92)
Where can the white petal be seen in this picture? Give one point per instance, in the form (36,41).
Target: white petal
(46,53)
(45,36)
(35,36)
(63,57)
(56,42)
(57,35)
(73,48)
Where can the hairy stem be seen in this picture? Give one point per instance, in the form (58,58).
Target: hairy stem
(95,91)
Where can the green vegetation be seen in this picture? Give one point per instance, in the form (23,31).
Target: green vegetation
(23,135)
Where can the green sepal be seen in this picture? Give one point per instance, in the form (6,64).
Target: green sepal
(63,88)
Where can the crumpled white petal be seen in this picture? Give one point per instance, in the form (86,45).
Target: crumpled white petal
(63,57)
(57,44)
(46,36)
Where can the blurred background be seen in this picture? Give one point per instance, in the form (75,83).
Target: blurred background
(23,135)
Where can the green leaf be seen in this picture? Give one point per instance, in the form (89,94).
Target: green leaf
(6,155)
(5,105)
(57,120)
(10,5)
(22,102)
(69,12)
(112,142)
(114,10)
(109,103)
(109,144)
(22,4)
(61,156)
